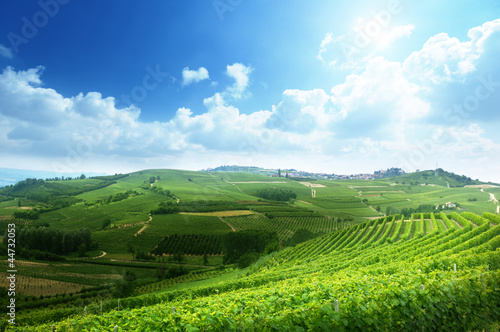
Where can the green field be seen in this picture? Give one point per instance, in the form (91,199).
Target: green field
(351,279)
(341,217)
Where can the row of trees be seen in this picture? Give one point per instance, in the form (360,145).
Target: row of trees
(277,194)
(57,241)
(166,208)
(245,247)
(190,244)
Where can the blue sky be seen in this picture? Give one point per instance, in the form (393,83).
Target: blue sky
(326,86)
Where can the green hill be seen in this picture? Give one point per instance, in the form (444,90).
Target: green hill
(437,177)
(160,236)
(443,274)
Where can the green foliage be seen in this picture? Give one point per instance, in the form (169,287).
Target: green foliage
(165,208)
(209,206)
(301,235)
(247,259)
(327,284)
(124,287)
(237,244)
(106,223)
(45,191)
(492,217)
(191,244)
(57,241)
(115,177)
(26,214)
(421,208)
(277,194)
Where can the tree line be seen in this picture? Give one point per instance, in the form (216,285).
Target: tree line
(277,194)
(54,240)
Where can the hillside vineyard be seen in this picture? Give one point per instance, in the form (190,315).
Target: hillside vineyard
(367,277)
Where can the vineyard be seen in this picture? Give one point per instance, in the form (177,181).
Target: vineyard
(189,244)
(428,272)
(285,227)
(39,286)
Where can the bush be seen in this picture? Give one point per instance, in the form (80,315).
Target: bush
(247,259)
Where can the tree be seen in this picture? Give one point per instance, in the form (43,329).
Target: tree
(82,177)
(301,235)
(205,259)
(130,249)
(106,223)
(378,208)
(237,244)
(82,248)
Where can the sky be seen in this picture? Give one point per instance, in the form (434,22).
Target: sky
(338,87)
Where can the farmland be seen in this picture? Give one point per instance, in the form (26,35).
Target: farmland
(349,279)
(164,231)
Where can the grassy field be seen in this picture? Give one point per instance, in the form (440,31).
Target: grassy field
(321,206)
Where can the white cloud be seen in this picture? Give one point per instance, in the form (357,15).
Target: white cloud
(387,37)
(383,83)
(445,59)
(6,52)
(23,99)
(240,73)
(301,112)
(324,45)
(194,76)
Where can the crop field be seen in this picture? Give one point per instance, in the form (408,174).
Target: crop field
(350,279)
(286,226)
(38,286)
(131,210)
(187,224)
(184,223)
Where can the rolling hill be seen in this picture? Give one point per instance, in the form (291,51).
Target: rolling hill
(160,240)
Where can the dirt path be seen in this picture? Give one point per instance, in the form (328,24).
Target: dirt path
(145,226)
(493,198)
(225,222)
(304,202)
(459,226)
(234,184)
(101,256)
(141,230)
(313,185)
(375,210)
(442,221)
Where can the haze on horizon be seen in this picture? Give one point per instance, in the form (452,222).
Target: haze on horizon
(320,87)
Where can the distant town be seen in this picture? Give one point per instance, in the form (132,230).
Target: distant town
(293,173)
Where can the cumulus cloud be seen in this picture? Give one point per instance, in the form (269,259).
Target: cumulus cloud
(445,59)
(6,52)
(301,112)
(241,74)
(194,76)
